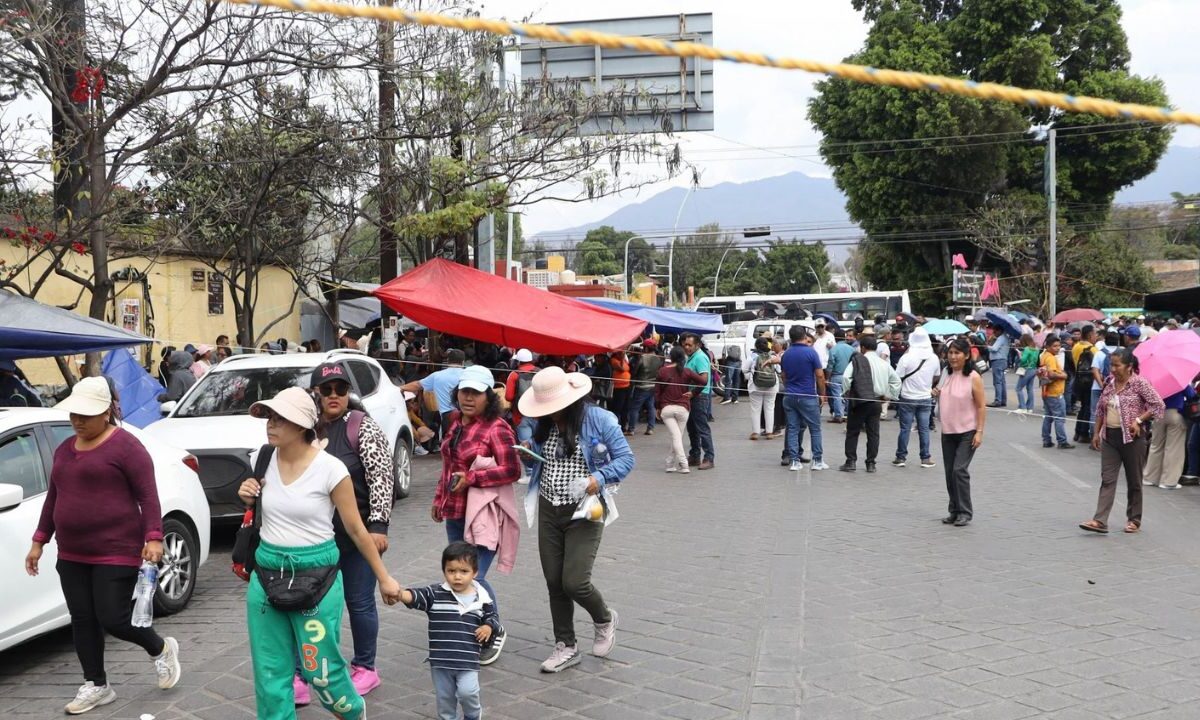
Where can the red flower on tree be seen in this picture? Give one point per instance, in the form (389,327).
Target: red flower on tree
(79,248)
(89,83)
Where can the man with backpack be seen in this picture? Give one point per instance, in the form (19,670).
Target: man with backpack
(1084,355)
(731,358)
(518,383)
(870,381)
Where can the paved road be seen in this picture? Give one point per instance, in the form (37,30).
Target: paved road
(752,592)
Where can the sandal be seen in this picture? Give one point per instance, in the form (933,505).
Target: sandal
(1132,526)
(1093,526)
(753,436)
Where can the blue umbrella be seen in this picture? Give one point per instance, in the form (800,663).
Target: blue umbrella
(937,326)
(830,320)
(1005,323)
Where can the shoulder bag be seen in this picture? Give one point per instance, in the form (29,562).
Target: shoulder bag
(245,543)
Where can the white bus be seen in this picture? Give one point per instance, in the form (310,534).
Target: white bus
(843,306)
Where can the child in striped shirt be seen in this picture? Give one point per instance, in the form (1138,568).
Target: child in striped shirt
(462,617)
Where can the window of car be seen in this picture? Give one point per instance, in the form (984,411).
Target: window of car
(22,463)
(233,391)
(60,433)
(366,375)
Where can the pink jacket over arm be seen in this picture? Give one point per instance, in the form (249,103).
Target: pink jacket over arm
(492,522)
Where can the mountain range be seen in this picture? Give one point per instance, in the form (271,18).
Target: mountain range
(800,206)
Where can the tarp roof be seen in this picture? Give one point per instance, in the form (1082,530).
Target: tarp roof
(664,320)
(462,301)
(29,329)
(1181,302)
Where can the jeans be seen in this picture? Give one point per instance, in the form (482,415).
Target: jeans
(802,412)
(525,430)
(956,459)
(454,533)
(835,388)
(999,385)
(1025,385)
(642,400)
(454,688)
(921,410)
(98,599)
(1056,412)
(358,583)
(733,381)
(700,439)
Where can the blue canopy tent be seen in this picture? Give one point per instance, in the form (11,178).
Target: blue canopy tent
(664,320)
(137,389)
(30,329)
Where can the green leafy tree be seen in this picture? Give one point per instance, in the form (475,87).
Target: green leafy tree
(792,267)
(916,199)
(641,254)
(595,258)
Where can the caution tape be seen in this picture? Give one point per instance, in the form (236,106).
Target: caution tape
(845,71)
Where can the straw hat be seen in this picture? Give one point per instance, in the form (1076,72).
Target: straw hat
(552,390)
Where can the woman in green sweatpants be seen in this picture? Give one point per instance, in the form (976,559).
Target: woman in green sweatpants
(298,494)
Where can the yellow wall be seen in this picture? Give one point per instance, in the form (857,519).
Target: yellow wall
(556,263)
(645,293)
(180,313)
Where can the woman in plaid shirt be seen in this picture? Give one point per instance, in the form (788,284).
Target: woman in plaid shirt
(475,430)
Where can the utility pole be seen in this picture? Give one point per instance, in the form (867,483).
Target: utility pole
(1052,201)
(388,269)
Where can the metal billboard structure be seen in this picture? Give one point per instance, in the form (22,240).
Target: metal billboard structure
(682,88)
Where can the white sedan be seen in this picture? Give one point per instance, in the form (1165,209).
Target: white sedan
(30,606)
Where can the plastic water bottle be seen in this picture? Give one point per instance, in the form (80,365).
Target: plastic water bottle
(143,596)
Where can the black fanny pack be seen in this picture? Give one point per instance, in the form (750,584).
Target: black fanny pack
(296,590)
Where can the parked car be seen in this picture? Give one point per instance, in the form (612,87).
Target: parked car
(212,419)
(744,332)
(30,606)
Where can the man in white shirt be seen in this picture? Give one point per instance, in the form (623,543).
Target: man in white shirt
(918,370)
(823,342)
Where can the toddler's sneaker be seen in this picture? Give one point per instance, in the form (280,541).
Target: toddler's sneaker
(606,636)
(364,679)
(563,657)
(301,691)
(89,697)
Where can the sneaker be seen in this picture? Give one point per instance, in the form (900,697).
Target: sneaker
(301,692)
(563,657)
(684,468)
(420,451)
(491,651)
(649,432)
(928,463)
(166,665)
(819,465)
(90,696)
(794,466)
(726,401)
(1047,444)
(1066,446)
(364,679)
(672,467)
(1189,480)
(899,462)
(606,636)
(1168,487)
(847,466)
(870,467)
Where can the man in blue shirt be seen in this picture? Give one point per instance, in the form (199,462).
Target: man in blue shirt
(804,393)
(839,360)
(442,384)
(701,452)
(998,354)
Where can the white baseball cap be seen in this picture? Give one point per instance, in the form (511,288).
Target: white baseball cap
(476,378)
(523,355)
(89,397)
(292,404)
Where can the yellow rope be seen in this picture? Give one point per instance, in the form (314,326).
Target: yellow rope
(856,73)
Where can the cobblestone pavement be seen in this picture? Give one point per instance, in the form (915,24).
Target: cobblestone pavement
(752,592)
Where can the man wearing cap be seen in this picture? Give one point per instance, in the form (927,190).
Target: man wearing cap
(648,365)
(518,383)
(1131,336)
(14,392)
(442,384)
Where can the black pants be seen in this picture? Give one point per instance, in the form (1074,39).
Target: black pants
(1083,423)
(567,549)
(956,459)
(98,598)
(619,405)
(862,414)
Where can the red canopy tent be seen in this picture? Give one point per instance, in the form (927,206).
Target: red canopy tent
(463,301)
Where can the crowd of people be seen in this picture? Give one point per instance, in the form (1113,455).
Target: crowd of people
(500,418)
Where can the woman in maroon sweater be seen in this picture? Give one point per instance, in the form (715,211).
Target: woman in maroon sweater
(103,506)
(673,390)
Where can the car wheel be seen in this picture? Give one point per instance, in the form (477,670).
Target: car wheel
(177,572)
(403,463)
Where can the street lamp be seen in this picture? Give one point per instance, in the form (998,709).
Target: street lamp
(671,251)
(718,275)
(628,284)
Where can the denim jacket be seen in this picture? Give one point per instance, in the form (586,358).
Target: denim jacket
(600,427)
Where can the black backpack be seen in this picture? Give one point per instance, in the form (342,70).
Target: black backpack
(524,382)
(1083,372)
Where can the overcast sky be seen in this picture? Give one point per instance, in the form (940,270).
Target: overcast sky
(762,107)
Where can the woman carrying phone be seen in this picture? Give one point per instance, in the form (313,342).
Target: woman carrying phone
(962,411)
(477,452)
